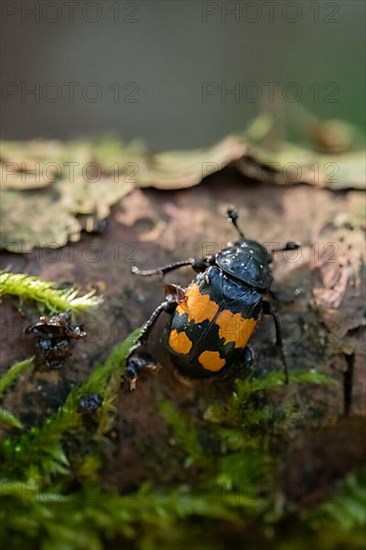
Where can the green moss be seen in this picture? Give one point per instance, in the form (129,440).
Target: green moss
(40,449)
(6,381)
(10,376)
(250,407)
(7,418)
(87,519)
(90,518)
(233,464)
(52,498)
(45,293)
(185,435)
(337,523)
(273,380)
(347,508)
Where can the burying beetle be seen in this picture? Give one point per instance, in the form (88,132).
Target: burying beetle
(212,320)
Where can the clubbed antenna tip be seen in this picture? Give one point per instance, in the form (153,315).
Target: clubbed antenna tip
(233,216)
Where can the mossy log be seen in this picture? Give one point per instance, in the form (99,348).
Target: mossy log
(322,313)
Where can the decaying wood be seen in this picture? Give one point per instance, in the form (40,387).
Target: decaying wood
(324,324)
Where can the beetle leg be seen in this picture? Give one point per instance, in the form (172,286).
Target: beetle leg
(198,265)
(244,359)
(134,364)
(279,296)
(241,365)
(269,309)
(168,306)
(174,293)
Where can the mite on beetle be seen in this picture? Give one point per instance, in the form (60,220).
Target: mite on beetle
(212,320)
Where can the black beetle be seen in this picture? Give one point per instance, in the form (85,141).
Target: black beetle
(213,318)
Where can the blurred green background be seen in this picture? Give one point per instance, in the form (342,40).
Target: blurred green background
(150,63)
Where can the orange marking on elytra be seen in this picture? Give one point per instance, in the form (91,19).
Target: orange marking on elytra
(211,360)
(179,342)
(197,306)
(234,328)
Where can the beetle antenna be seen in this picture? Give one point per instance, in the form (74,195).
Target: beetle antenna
(291,245)
(233,216)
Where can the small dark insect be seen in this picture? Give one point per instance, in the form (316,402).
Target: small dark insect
(212,320)
(90,403)
(53,337)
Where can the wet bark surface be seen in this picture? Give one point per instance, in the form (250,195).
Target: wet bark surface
(321,311)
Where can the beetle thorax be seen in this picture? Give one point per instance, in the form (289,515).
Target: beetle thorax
(247,261)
